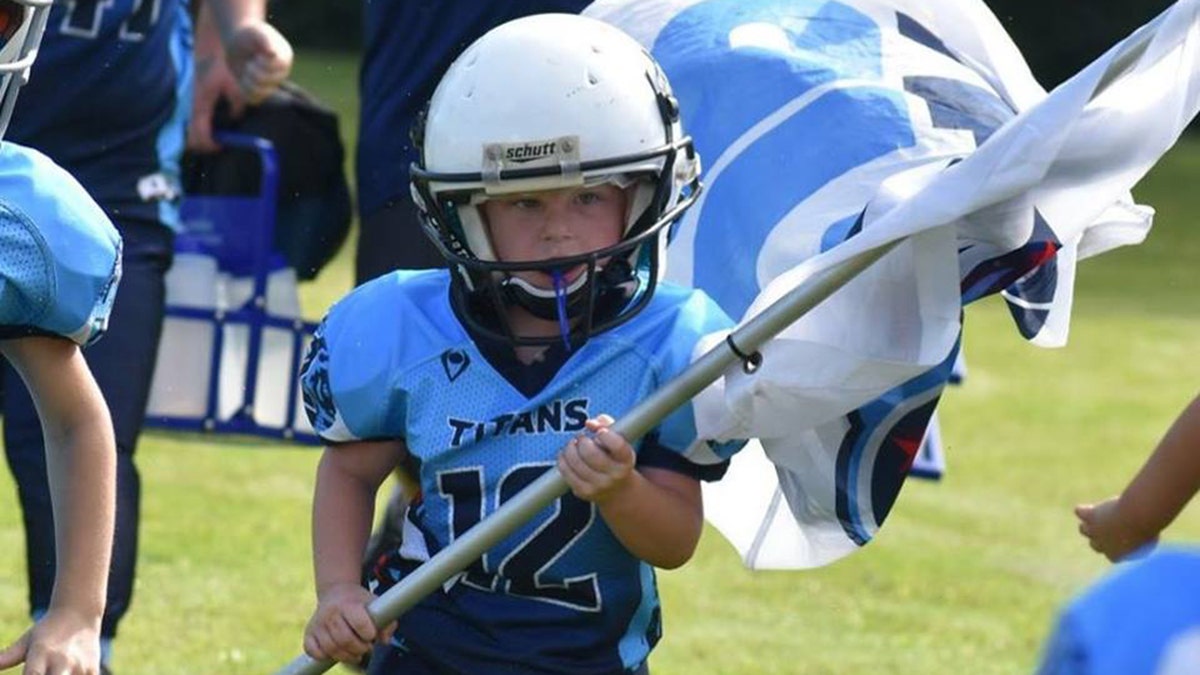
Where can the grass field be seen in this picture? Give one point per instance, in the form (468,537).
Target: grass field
(965,578)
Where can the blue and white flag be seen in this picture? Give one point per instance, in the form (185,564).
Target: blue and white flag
(830,127)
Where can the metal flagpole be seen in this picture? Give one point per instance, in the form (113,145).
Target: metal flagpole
(741,346)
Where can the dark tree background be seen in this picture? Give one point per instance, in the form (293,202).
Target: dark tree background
(1057,37)
(322,24)
(1060,37)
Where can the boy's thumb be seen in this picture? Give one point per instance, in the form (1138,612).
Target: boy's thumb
(14,653)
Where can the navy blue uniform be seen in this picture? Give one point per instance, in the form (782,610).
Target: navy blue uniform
(561,594)
(108,99)
(408,47)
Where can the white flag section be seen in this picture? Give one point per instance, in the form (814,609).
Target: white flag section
(831,127)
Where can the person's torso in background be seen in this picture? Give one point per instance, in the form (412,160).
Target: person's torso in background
(407,47)
(108,99)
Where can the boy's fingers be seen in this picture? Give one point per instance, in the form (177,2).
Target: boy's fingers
(312,647)
(1083,510)
(598,422)
(362,626)
(576,459)
(613,445)
(14,653)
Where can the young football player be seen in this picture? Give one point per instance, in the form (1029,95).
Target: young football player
(552,164)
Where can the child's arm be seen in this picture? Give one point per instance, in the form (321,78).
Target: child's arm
(656,513)
(1155,496)
(80,465)
(343,505)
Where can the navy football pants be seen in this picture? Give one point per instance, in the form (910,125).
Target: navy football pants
(123,365)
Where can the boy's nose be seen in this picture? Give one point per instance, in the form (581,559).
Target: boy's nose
(556,226)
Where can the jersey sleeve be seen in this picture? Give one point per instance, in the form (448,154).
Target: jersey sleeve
(349,375)
(60,256)
(676,435)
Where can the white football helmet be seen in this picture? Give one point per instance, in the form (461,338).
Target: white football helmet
(545,102)
(22,23)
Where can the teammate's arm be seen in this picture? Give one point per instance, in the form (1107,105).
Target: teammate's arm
(239,57)
(348,479)
(80,463)
(1160,490)
(657,514)
(258,55)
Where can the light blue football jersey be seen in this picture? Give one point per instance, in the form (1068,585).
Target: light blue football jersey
(60,257)
(561,594)
(1143,618)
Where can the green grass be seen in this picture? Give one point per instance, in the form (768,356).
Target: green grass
(965,577)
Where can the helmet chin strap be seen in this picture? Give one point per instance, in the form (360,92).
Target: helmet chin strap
(595,289)
(541,302)
(560,307)
(551,305)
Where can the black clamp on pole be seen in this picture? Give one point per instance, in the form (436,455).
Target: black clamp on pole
(750,362)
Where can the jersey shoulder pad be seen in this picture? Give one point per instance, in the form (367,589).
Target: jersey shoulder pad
(352,377)
(59,253)
(677,323)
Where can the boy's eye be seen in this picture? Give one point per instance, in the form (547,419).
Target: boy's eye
(589,197)
(525,203)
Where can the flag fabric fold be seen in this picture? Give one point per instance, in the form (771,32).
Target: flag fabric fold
(832,127)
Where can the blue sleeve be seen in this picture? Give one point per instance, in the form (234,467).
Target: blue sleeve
(698,316)
(651,453)
(61,256)
(353,364)
(319,405)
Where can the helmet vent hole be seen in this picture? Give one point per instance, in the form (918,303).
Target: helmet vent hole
(592,79)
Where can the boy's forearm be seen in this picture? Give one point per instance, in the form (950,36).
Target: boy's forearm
(208,40)
(655,523)
(1169,478)
(80,466)
(227,15)
(81,472)
(343,508)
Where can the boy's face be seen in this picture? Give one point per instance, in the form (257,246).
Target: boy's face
(539,226)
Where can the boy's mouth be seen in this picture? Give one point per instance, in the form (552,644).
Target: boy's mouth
(567,276)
